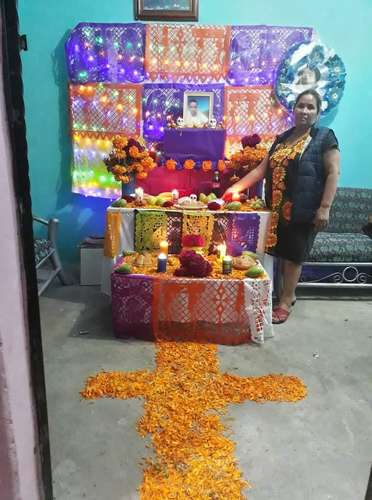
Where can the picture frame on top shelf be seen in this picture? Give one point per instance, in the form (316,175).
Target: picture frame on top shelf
(197,109)
(166,10)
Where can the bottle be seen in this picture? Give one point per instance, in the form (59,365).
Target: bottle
(216,183)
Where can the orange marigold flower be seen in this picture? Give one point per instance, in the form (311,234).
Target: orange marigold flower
(147,162)
(142,175)
(120,155)
(118,170)
(221,166)
(189,164)
(277,197)
(119,142)
(125,179)
(207,165)
(171,164)
(134,152)
(287,210)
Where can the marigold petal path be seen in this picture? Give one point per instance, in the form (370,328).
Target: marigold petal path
(184,399)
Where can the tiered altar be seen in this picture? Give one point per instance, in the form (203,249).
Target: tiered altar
(174,114)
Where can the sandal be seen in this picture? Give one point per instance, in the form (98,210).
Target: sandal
(280,315)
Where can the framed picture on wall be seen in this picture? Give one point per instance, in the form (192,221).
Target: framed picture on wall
(166,10)
(197,108)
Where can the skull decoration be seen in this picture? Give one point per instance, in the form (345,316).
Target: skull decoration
(193,197)
(180,122)
(213,123)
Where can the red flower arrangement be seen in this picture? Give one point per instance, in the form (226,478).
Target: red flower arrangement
(193,241)
(193,265)
(129,158)
(249,157)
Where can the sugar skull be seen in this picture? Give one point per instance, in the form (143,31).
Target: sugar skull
(180,122)
(213,123)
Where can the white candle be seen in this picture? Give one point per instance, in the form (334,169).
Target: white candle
(175,195)
(221,251)
(236,197)
(139,194)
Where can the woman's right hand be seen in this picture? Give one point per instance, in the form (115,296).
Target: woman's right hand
(230,191)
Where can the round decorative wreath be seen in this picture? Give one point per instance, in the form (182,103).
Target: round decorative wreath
(311,65)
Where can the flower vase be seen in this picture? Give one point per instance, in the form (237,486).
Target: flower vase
(128,187)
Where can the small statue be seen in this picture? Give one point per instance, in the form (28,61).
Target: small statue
(180,122)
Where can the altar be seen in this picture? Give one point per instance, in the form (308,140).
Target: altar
(222,311)
(120,236)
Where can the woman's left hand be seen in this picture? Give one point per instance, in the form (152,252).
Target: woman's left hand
(321,218)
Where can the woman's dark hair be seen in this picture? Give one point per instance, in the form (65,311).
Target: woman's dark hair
(316,96)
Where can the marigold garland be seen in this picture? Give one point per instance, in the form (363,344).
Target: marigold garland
(184,397)
(189,164)
(171,164)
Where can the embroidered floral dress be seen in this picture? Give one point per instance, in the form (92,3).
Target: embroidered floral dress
(284,170)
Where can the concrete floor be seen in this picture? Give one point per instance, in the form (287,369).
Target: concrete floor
(318,449)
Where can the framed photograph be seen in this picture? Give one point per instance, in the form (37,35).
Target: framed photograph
(197,108)
(166,10)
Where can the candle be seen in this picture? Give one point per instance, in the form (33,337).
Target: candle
(162,263)
(221,251)
(227,265)
(163,246)
(139,194)
(236,197)
(175,195)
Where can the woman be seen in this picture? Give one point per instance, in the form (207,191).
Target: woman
(301,172)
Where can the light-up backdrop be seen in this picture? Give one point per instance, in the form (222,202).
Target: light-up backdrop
(108,65)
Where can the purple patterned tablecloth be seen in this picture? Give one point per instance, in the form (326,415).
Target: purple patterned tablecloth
(195,144)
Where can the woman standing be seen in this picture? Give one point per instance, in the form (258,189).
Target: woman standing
(301,172)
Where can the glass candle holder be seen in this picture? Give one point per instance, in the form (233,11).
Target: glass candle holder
(227,265)
(162,263)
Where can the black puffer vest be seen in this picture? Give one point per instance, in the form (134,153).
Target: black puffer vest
(309,184)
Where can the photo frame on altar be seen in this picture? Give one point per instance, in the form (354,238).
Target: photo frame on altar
(197,108)
(166,10)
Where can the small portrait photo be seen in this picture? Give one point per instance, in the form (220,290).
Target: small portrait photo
(308,76)
(197,108)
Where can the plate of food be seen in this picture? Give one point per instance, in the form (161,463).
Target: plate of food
(190,203)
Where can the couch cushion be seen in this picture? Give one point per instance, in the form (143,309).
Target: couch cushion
(350,210)
(42,249)
(341,247)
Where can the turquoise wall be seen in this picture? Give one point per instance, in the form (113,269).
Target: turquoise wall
(345,26)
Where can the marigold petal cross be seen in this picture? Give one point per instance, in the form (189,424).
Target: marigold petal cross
(184,399)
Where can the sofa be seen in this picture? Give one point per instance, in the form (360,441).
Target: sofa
(342,255)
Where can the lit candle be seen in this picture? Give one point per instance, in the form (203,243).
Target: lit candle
(139,194)
(163,246)
(227,265)
(162,263)
(175,195)
(221,251)
(236,197)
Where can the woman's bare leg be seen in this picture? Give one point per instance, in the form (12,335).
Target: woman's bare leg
(291,275)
